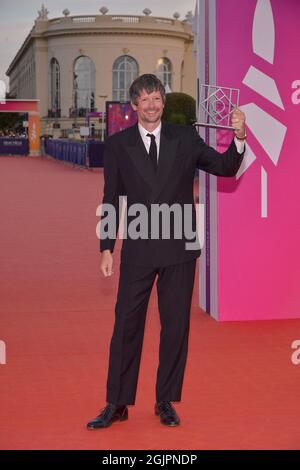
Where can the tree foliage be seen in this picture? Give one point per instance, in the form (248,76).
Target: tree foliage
(180,108)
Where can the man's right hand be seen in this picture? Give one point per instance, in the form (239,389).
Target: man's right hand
(106,263)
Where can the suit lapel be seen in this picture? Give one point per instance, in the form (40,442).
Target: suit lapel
(166,160)
(141,160)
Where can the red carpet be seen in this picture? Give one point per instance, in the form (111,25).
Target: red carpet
(56,315)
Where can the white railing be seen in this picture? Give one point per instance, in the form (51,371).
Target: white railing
(126,19)
(133,19)
(84,19)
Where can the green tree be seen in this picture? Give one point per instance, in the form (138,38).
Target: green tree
(180,108)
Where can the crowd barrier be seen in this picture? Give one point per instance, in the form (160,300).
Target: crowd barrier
(14,146)
(95,153)
(88,153)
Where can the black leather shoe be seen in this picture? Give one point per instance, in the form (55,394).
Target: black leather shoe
(167,414)
(108,416)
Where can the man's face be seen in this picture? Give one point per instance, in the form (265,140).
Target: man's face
(149,108)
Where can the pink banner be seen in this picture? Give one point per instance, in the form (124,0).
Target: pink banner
(19,106)
(258,214)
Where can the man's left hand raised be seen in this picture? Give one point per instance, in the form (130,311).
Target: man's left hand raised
(238,120)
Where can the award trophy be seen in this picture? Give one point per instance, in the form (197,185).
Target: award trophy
(216,104)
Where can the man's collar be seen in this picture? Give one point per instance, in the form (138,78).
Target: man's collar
(144,131)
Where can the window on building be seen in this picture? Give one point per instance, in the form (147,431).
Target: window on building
(84,85)
(164,72)
(55,87)
(125,70)
(181,76)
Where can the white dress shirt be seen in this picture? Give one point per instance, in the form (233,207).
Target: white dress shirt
(147,140)
(240,144)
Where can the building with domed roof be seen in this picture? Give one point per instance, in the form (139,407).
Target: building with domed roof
(73,64)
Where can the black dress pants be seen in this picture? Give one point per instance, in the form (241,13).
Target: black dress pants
(174,288)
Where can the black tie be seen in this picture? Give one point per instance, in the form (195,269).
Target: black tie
(153,151)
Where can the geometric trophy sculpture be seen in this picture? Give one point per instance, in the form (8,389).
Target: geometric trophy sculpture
(217,104)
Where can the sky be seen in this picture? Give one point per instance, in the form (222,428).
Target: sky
(17,17)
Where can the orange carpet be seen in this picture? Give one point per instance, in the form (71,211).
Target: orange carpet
(241,389)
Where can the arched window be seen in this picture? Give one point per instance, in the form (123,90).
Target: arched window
(125,70)
(84,80)
(55,87)
(164,72)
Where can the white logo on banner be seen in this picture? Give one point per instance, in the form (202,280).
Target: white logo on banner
(261,123)
(296,94)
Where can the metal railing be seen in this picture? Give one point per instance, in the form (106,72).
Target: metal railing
(80,112)
(54,113)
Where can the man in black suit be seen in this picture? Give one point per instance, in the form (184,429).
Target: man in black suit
(153,163)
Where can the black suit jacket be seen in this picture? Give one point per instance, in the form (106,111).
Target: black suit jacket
(128,171)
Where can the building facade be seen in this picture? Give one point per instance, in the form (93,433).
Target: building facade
(74,64)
